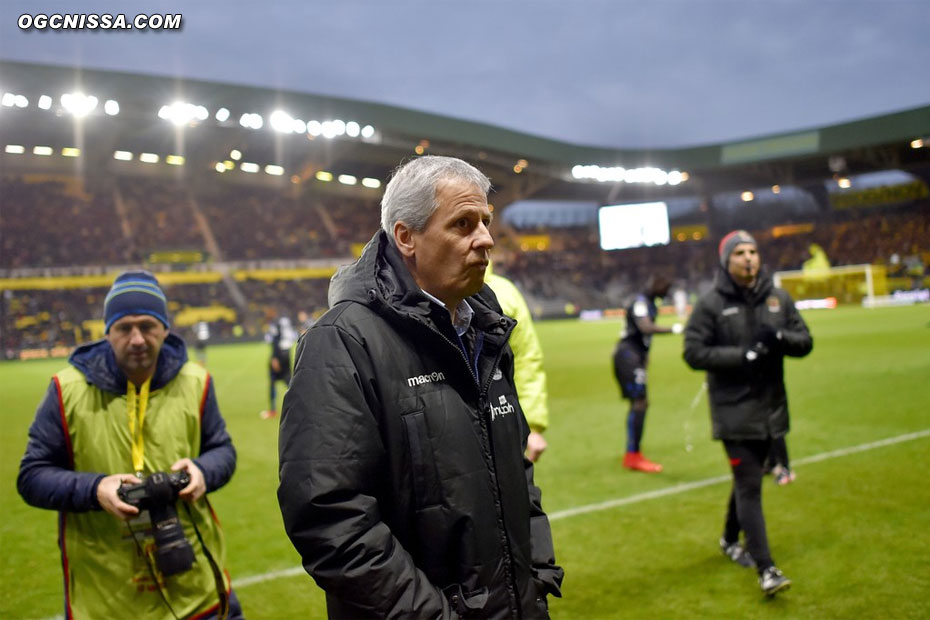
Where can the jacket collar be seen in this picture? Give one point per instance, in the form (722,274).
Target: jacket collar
(724,283)
(97,363)
(380,280)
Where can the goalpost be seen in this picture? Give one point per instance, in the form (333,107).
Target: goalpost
(849,284)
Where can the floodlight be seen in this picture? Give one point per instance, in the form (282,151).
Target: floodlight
(148,158)
(776,189)
(298,126)
(220,167)
(324,176)
(45,102)
(8,100)
(21,101)
(181,113)
(222,115)
(235,154)
(45,151)
(274,170)
(368,131)
(122,155)
(339,127)
(918,143)
(347,179)
(70,151)
(281,121)
(174,160)
(248,166)
(15,149)
(617,174)
(746,196)
(250,120)
(372,183)
(329,130)
(353,129)
(844,182)
(314,128)
(78,104)
(111,107)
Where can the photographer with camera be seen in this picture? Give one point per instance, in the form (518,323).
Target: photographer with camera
(739,332)
(130,428)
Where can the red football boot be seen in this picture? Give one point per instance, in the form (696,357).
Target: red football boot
(637,462)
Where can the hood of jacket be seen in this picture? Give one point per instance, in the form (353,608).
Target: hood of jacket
(97,363)
(380,280)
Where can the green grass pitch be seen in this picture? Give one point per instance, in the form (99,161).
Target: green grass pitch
(851,532)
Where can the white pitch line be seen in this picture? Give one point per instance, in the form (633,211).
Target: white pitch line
(641,497)
(287,572)
(682,488)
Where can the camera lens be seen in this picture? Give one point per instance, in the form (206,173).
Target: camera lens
(173,553)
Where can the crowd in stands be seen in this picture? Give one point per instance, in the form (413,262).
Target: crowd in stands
(51,223)
(575,270)
(159,216)
(47,223)
(354,221)
(263,223)
(286,297)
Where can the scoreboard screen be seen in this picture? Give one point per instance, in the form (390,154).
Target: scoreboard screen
(633,225)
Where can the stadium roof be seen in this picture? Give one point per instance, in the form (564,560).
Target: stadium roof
(520,165)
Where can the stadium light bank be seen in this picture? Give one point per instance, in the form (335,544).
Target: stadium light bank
(618,174)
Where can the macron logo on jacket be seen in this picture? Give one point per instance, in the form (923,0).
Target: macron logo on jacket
(430,378)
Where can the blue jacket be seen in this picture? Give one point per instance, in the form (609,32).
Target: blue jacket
(45,478)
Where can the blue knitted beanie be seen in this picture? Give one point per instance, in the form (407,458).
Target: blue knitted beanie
(135,292)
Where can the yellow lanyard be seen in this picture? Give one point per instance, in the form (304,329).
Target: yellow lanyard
(136,406)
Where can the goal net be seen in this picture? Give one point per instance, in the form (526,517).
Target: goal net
(849,284)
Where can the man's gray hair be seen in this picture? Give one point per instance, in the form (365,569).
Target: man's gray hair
(410,196)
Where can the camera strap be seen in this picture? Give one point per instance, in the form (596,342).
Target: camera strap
(223,611)
(148,563)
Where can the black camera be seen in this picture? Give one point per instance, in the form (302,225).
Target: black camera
(158,494)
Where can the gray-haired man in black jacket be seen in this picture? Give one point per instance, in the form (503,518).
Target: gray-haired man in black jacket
(403,484)
(739,332)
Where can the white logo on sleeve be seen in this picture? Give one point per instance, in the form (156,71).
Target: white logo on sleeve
(502,409)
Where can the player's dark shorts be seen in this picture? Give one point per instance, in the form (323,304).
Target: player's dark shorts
(284,374)
(630,371)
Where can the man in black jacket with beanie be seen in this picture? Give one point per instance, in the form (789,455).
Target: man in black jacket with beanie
(403,483)
(739,332)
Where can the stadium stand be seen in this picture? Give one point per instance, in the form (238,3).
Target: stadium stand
(231,242)
(48,223)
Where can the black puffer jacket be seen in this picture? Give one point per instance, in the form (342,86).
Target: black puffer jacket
(746,401)
(402,479)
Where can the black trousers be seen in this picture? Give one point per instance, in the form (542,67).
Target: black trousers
(744,512)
